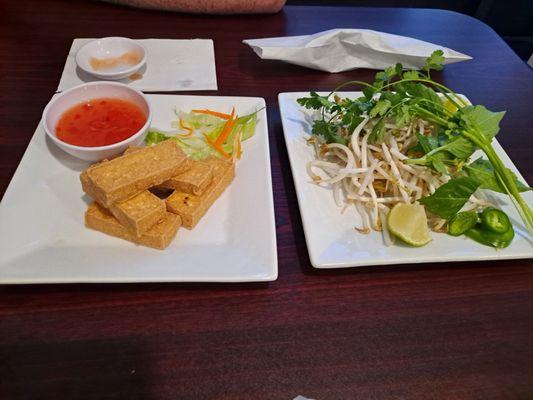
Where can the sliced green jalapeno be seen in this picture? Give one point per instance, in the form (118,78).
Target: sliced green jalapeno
(495,220)
(461,222)
(488,238)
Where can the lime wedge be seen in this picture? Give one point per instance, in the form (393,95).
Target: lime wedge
(409,223)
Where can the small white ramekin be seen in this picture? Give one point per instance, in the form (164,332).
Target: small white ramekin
(88,91)
(110,47)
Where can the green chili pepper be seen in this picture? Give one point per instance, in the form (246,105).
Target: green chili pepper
(495,220)
(488,238)
(461,222)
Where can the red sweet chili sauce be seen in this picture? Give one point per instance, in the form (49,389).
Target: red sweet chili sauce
(100,122)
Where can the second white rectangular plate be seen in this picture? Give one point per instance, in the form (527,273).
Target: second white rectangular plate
(333,242)
(43,238)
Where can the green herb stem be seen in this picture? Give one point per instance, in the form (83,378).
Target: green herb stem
(430,82)
(430,116)
(439,107)
(451,100)
(505,178)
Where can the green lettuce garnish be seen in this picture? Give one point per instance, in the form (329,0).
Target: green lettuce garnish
(195,146)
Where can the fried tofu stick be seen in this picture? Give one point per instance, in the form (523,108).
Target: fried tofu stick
(191,208)
(139,213)
(126,176)
(194,181)
(158,236)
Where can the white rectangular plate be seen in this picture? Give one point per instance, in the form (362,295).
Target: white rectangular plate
(43,238)
(333,242)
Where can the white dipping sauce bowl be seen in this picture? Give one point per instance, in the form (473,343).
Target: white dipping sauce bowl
(83,93)
(110,47)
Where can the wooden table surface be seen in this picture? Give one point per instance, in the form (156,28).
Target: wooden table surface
(433,331)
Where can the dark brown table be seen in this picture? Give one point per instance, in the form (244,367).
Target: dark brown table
(434,331)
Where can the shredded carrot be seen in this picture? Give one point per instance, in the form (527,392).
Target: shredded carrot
(217,147)
(214,113)
(228,127)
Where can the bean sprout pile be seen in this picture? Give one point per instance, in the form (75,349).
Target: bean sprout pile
(373,178)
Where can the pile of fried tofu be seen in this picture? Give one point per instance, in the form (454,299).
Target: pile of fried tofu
(147,193)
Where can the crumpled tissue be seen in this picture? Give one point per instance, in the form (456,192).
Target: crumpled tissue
(339,50)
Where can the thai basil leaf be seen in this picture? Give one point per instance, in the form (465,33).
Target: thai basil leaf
(449,198)
(461,147)
(482,171)
(482,120)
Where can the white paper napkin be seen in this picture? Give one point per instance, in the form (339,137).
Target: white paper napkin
(340,50)
(171,65)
